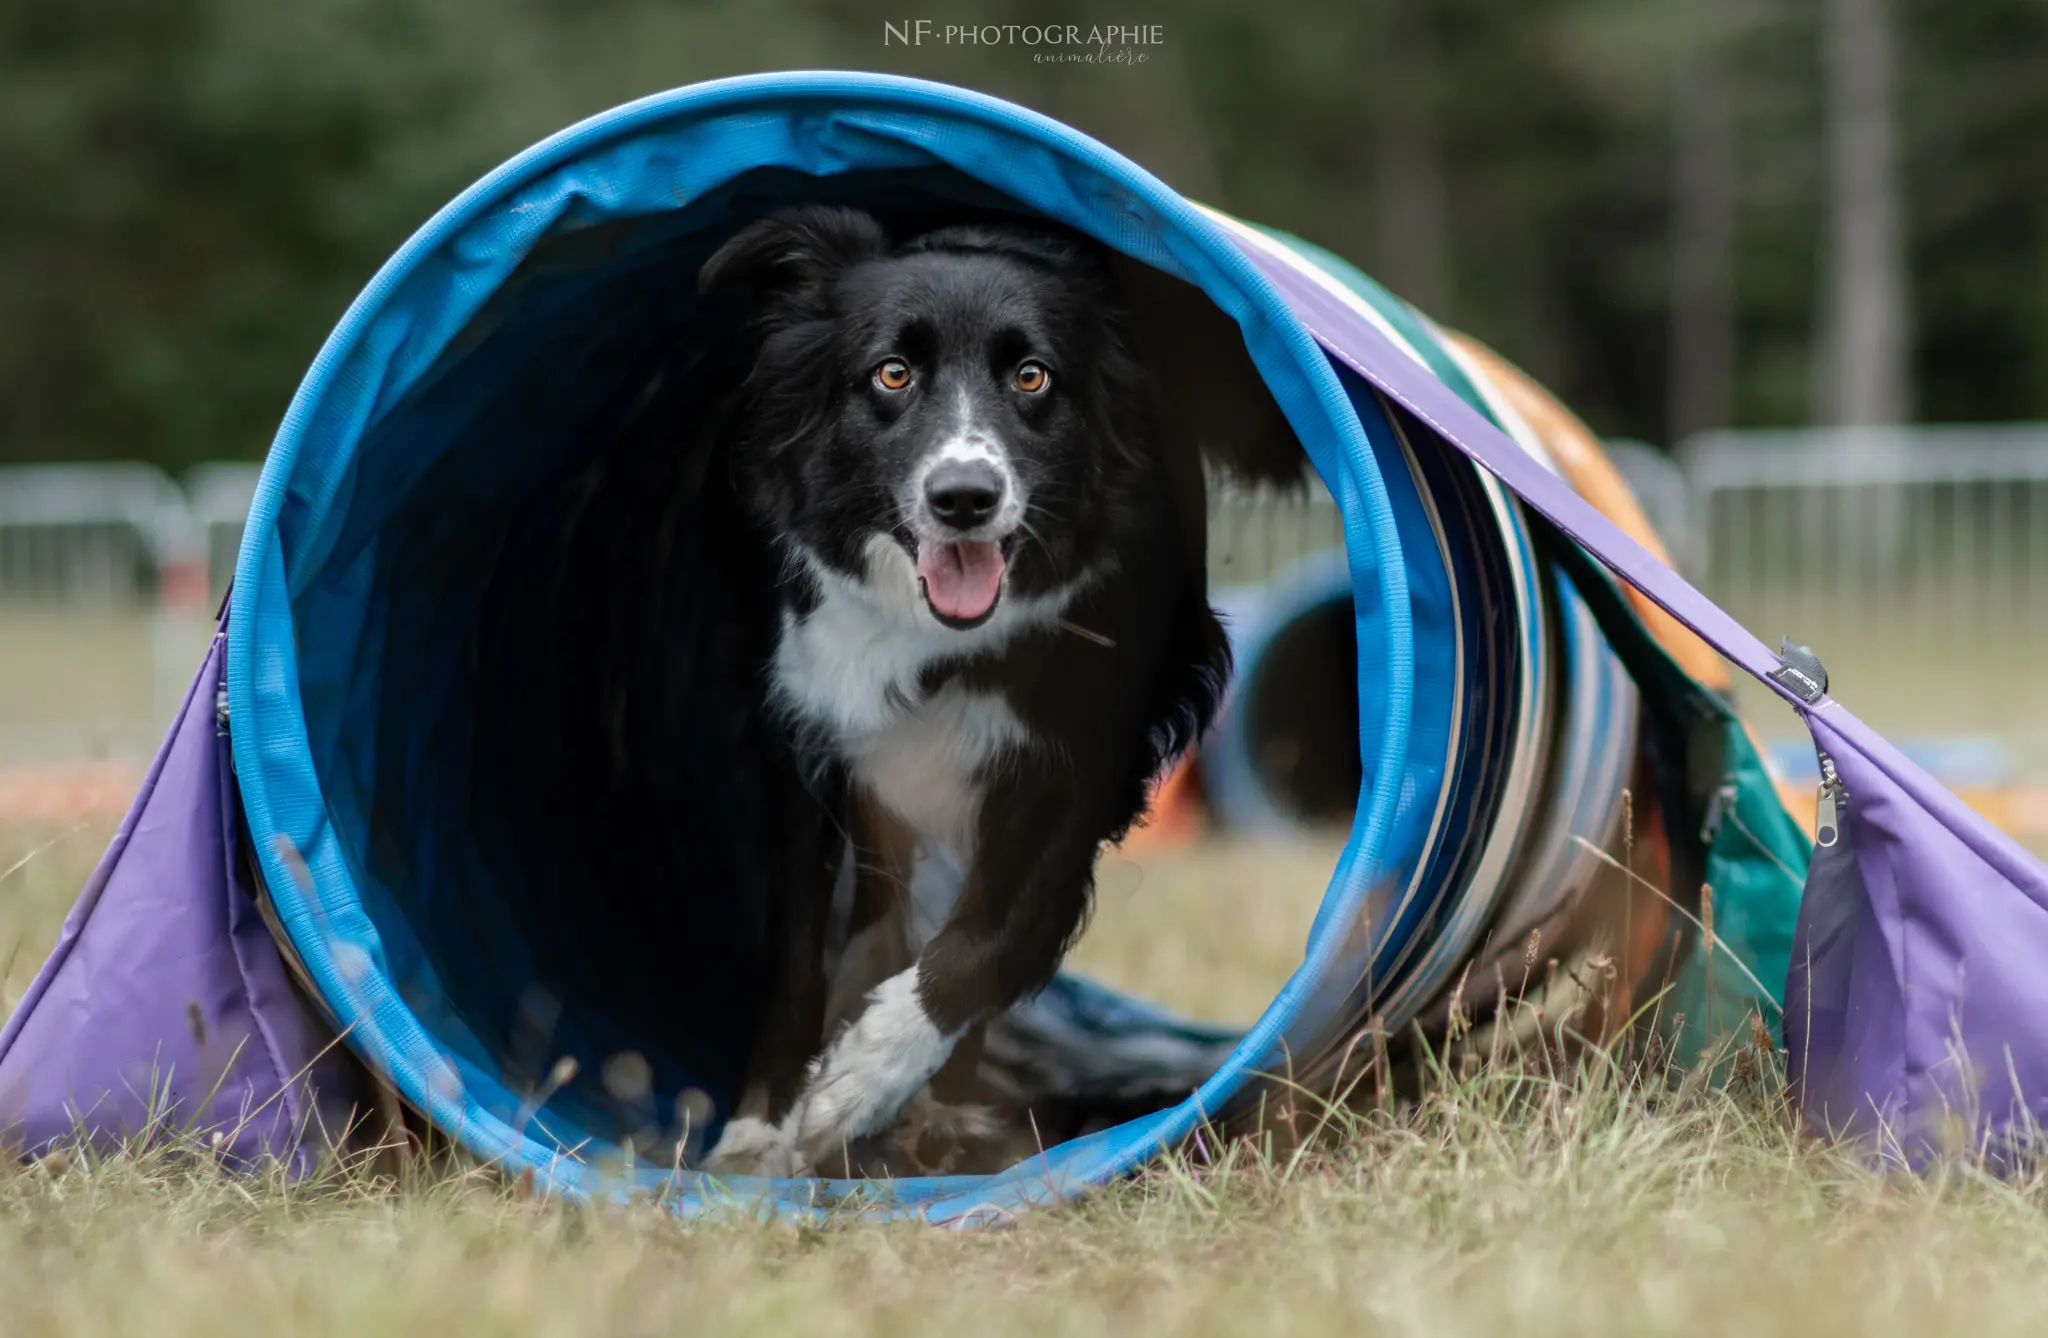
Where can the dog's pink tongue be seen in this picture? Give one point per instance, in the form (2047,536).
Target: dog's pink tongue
(961,581)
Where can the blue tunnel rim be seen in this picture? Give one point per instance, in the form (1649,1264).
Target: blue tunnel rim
(280,792)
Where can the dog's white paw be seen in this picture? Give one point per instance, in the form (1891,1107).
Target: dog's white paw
(874,1066)
(750,1146)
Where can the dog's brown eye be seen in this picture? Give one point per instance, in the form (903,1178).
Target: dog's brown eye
(1032,377)
(892,374)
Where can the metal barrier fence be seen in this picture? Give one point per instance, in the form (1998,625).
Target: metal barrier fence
(1256,532)
(1915,560)
(109,532)
(103,615)
(220,494)
(101,532)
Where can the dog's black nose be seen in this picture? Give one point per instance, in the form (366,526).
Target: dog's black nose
(963,494)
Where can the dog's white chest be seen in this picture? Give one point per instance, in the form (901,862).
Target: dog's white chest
(851,672)
(927,767)
(926,764)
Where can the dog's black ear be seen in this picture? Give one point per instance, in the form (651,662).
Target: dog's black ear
(792,251)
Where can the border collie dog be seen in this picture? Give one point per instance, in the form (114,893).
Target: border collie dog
(989,640)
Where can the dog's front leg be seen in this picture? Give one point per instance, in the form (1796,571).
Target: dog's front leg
(1024,899)
(878,930)
(790,1032)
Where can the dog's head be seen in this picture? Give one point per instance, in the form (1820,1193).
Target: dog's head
(946,424)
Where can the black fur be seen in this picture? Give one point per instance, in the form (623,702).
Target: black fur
(825,456)
(821,450)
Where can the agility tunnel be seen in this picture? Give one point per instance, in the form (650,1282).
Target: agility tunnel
(459,783)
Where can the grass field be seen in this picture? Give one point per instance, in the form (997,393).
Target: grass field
(1513,1200)
(1517,1199)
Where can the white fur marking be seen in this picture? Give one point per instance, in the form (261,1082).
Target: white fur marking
(849,664)
(969,441)
(752,1146)
(972,441)
(870,1070)
(926,764)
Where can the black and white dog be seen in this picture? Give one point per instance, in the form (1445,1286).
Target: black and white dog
(991,638)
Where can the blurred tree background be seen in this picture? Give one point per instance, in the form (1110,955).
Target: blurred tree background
(1679,213)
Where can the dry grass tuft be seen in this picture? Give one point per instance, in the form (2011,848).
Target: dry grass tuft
(1510,1198)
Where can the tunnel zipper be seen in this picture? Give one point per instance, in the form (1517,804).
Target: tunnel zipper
(1719,804)
(1826,828)
(1801,673)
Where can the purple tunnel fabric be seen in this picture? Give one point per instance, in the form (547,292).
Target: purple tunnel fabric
(165,1004)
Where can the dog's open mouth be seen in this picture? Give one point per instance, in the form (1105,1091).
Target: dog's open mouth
(961,582)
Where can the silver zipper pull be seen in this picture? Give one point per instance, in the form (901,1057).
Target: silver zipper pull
(1719,804)
(1826,827)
